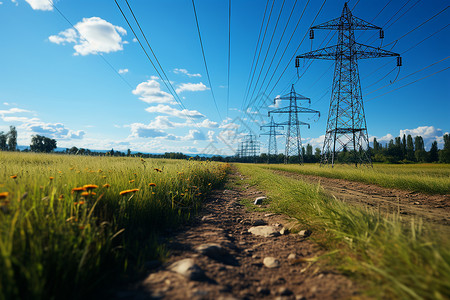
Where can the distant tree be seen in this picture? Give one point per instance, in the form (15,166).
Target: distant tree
(409,148)
(73,150)
(41,143)
(444,154)
(3,141)
(317,154)
(433,155)
(404,146)
(420,153)
(12,138)
(309,154)
(128,152)
(376,145)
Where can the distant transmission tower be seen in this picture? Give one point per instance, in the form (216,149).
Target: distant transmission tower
(346,126)
(272,149)
(293,138)
(248,148)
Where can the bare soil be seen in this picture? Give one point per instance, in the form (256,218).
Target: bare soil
(225,221)
(434,209)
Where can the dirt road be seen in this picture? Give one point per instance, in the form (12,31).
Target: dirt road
(434,209)
(226,261)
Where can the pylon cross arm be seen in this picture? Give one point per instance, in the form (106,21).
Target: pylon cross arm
(329,53)
(365,51)
(346,20)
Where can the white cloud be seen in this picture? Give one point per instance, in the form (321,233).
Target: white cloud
(40,4)
(185,72)
(56,130)
(184,114)
(276,104)
(315,142)
(211,136)
(13,111)
(383,139)
(139,130)
(150,92)
(428,133)
(191,87)
(123,71)
(94,35)
(208,124)
(194,135)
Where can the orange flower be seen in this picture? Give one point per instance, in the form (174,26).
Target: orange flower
(158,170)
(152,184)
(132,180)
(61,197)
(181,194)
(51,178)
(106,185)
(90,186)
(153,193)
(13,176)
(128,191)
(4,195)
(85,194)
(79,203)
(78,189)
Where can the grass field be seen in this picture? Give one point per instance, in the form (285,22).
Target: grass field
(426,178)
(394,259)
(68,223)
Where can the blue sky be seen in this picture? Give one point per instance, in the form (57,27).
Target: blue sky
(64,83)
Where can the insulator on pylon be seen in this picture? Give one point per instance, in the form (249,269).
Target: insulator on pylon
(311,34)
(297,62)
(381,34)
(399,61)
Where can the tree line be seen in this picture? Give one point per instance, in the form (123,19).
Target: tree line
(404,149)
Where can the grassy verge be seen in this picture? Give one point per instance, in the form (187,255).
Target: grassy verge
(69,223)
(426,178)
(396,260)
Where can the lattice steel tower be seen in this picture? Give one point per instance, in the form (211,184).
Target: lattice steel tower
(273,133)
(293,138)
(346,126)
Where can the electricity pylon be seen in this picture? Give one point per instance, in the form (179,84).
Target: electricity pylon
(272,149)
(346,126)
(248,148)
(293,138)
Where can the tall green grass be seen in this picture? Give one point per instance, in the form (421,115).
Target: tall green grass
(59,243)
(397,260)
(426,178)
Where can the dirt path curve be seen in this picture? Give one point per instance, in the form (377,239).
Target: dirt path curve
(432,208)
(235,268)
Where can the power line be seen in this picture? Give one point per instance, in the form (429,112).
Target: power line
(417,27)
(101,55)
(276,83)
(409,84)
(411,74)
(204,59)
(259,54)
(229,54)
(254,55)
(151,49)
(167,82)
(268,49)
(276,50)
(410,48)
(285,49)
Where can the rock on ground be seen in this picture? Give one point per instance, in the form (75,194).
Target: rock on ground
(265,231)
